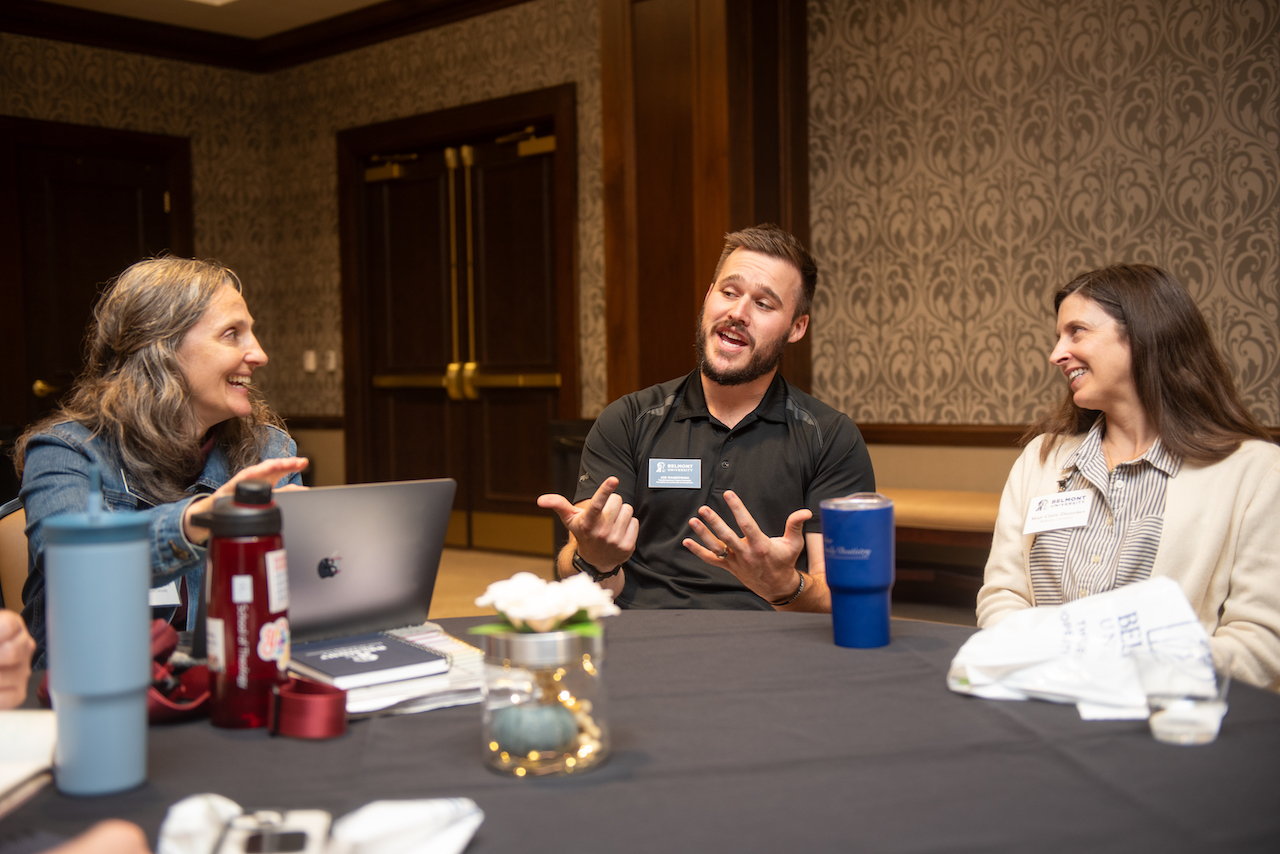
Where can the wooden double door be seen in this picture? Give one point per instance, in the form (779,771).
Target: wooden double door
(77,206)
(461,275)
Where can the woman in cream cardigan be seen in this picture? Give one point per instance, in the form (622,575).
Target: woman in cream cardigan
(1183,481)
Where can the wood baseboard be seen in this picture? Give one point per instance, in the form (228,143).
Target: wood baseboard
(970,435)
(961,435)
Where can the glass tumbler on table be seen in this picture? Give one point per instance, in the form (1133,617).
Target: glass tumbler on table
(1192,716)
(544,703)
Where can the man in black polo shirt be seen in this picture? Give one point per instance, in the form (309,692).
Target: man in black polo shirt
(731,453)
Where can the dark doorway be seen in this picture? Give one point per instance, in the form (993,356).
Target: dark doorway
(77,205)
(459,301)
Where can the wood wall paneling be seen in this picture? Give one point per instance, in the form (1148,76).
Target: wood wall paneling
(702,102)
(713,177)
(617,118)
(768,112)
(787,29)
(663,36)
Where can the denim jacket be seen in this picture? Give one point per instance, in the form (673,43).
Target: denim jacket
(55,479)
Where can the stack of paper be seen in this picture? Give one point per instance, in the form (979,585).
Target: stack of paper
(458,687)
(26,755)
(371,660)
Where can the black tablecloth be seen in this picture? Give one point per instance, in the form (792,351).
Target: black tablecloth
(753,732)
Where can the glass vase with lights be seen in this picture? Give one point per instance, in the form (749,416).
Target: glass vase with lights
(544,706)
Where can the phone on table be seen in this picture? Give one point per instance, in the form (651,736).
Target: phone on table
(276,832)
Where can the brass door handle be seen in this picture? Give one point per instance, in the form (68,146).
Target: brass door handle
(473,380)
(410,381)
(40,388)
(455,381)
(451,380)
(463,381)
(469,381)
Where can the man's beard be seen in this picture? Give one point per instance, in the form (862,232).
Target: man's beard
(765,359)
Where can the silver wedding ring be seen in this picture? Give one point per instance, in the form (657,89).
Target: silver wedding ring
(724,554)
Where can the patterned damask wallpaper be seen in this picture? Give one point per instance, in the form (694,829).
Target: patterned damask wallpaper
(967,157)
(223,112)
(263,155)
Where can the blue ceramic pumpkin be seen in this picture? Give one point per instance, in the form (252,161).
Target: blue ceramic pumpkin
(523,729)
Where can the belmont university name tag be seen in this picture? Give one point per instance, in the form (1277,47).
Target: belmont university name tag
(1060,510)
(675,474)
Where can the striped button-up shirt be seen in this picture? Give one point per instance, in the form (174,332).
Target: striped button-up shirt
(1118,545)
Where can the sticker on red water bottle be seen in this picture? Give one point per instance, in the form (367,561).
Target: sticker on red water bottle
(242,589)
(277,581)
(273,642)
(215,641)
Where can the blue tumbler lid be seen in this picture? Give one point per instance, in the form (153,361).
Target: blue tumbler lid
(95,525)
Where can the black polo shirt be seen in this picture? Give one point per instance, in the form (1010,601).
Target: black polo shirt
(791,452)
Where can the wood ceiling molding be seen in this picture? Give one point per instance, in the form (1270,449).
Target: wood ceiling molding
(359,28)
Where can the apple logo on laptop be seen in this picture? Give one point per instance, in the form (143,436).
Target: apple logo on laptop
(328,566)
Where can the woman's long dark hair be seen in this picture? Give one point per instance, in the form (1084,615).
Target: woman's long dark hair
(1183,383)
(133,390)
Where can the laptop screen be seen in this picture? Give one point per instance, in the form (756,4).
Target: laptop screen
(363,557)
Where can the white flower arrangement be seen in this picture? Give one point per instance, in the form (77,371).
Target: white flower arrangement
(530,603)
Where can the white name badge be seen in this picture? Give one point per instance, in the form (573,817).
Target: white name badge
(167,595)
(675,474)
(1059,510)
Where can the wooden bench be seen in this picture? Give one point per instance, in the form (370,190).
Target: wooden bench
(944,516)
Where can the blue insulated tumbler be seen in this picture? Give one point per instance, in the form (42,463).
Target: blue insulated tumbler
(98,569)
(857,539)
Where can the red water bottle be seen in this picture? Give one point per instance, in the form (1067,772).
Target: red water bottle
(247,591)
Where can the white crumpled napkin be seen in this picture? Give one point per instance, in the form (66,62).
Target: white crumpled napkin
(193,825)
(1105,653)
(436,826)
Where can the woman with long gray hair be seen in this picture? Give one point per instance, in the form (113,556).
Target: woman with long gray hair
(167,410)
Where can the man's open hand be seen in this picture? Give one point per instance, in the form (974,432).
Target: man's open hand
(766,565)
(604,528)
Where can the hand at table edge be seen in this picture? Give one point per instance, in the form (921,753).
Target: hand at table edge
(16,647)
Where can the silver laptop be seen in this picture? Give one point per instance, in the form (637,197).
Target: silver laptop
(363,558)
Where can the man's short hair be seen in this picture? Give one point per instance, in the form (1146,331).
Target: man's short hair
(769,239)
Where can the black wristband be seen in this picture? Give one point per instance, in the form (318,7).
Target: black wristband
(580,564)
(794,596)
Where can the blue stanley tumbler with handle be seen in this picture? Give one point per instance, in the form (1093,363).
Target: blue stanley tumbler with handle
(98,569)
(857,539)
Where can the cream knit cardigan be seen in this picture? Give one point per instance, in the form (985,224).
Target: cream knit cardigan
(1220,542)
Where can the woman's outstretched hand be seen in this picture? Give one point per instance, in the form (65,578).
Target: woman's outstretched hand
(268,470)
